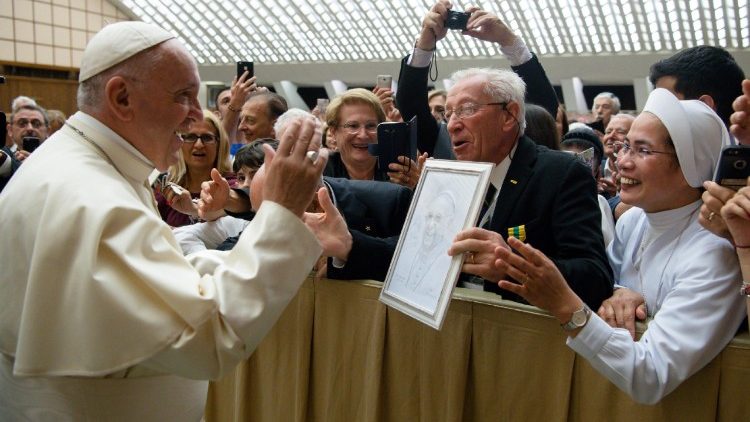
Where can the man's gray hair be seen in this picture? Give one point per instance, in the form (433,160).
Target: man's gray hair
(289,116)
(21,101)
(31,107)
(610,96)
(502,86)
(139,67)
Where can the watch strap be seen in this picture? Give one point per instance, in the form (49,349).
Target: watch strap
(578,319)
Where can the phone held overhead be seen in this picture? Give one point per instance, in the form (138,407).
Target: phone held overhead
(243,67)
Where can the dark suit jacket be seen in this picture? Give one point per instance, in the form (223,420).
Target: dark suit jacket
(553,196)
(411,98)
(375,213)
(14,164)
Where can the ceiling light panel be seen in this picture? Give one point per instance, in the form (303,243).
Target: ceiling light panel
(300,31)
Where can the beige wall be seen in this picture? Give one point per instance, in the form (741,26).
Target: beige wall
(51,32)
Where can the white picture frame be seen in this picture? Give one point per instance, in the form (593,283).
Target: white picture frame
(421,277)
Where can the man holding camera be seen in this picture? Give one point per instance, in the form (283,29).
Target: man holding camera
(28,127)
(547,197)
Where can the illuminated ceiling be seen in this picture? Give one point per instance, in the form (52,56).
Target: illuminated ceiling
(293,31)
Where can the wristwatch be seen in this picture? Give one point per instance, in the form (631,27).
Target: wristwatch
(578,319)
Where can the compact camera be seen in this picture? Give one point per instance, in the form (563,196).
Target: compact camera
(457,20)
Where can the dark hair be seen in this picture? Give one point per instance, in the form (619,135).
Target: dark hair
(252,154)
(216,98)
(703,70)
(276,103)
(541,126)
(584,140)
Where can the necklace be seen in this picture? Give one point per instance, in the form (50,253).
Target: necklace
(91,142)
(646,241)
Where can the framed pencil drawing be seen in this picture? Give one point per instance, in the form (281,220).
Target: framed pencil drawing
(421,277)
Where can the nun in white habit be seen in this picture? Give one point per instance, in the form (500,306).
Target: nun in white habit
(668,267)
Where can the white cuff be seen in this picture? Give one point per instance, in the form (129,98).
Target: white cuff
(517,53)
(420,58)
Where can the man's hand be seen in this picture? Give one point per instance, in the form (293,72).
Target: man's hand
(485,26)
(433,26)
(623,308)
(479,246)
(740,119)
(406,172)
(291,177)
(606,185)
(329,228)
(714,198)
(22,154)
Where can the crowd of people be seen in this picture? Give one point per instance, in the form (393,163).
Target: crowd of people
(189,230)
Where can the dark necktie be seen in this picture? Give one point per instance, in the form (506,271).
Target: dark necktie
(486,204)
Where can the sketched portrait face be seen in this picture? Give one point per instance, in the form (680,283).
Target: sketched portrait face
(437,217)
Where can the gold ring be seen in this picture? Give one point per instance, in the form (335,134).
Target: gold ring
(471,257)
(525,278)
(711,216)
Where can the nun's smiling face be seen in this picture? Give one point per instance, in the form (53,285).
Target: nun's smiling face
(650,174)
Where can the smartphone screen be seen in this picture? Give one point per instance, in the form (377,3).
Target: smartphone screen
(385,81)
(734,167)
(322,104)
(245,66)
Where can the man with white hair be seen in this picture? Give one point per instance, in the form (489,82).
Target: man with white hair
(606,105)
(547,197)
(101,315)
(667,267)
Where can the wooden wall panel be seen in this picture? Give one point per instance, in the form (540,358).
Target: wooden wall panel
(49,93)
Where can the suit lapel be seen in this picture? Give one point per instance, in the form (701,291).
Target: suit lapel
(519,173)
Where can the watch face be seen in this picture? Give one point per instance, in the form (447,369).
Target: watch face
(579,318)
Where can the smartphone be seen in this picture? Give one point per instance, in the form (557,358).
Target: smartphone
(385,81)
(245,66)
(30,143)
(733,168)
(395,139)
(323,105)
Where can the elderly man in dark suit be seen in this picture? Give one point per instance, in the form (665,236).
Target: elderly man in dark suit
(546,197)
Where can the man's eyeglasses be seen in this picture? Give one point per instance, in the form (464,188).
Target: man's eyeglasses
(354,127)
(467,110)
(22,123)
(206,138)
(642,152)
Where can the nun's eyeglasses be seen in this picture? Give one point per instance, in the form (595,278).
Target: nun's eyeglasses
(623,148)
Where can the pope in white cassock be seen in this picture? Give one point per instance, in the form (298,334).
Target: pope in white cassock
(101,316)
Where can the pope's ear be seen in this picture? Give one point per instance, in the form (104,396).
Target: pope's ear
(117,95)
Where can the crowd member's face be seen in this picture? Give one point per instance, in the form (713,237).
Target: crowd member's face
(201,154)
(603,109)
(559,122)
(357,129)
(437,107)
(616,131)
(255,121)
(653,182)
(27,123)
(245,176)
(222,102)
(164,105)
(488,134)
